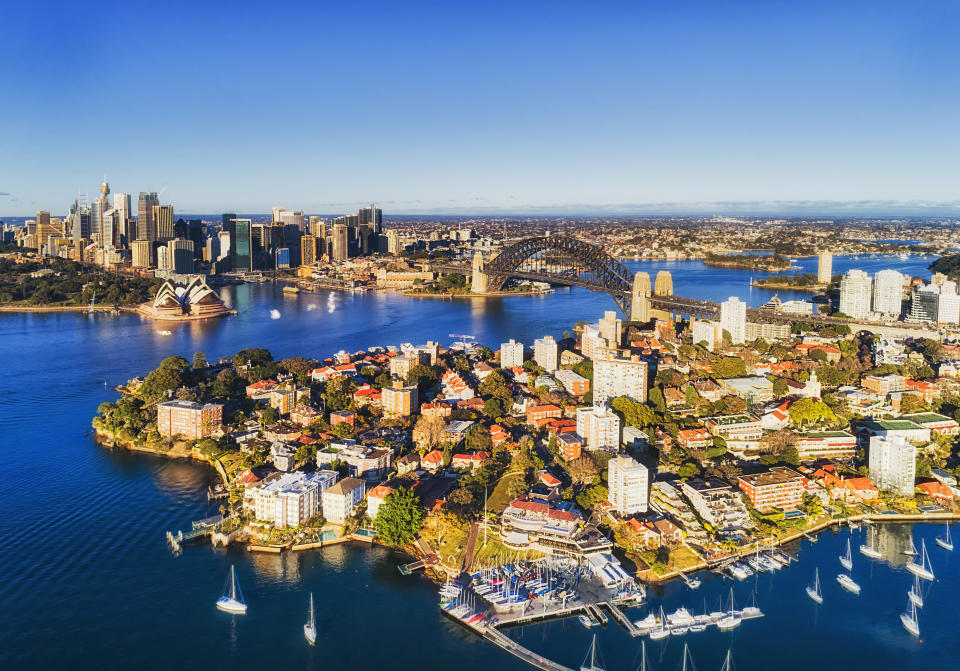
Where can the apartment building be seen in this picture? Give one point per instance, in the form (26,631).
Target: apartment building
(340,501)
(600,428)
(780,488)
(628,484)
(188,419)
(293,498)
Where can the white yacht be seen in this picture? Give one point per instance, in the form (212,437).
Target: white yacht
(923,569)
(662,631)
(232,600)
(909,620)
(310,628)
(590,662)
(846,560)
(847,583)
(869,549)
(945,541)
(915,594)
(813,591)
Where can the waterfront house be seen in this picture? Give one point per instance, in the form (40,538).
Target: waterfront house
(376,497)
(293,498)
(340,501)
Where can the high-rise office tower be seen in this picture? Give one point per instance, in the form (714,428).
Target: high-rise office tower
(109,229)
(855,291)
(824,267)
(163,222)
(126,229)
(142,252)
(308,250)
(341,242)
(393,241)
(43,230)
(146,226)
(81,221)
(733,319)
(100,205)
(318,228)
(372,216)
(888,293)
(180,254)
(241,257)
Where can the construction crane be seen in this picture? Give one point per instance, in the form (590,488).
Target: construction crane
(463,343)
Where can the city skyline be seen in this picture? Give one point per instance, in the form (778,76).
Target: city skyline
(615,110)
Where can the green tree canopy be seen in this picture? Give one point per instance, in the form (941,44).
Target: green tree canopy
(174,363)
(252,356)
(730,366)
(633,413)
(399,518)
(810,411)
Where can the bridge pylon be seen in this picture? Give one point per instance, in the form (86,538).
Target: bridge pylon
(479,279)
(640,298)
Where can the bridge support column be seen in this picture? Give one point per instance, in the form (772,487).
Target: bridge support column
(478,281)
(640,298)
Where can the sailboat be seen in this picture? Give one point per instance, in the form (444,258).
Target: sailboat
(727,663)
(923,569)
(945,541)
(310,628)
(663,631)
(731,619)
(93,301)
(909,620)
(912,552)
(846,561)
(915,595)
(232,599)
(592,664)
(686,656)
(643,656)
(869,549)
(813,591)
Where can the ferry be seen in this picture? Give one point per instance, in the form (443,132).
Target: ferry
(291,289)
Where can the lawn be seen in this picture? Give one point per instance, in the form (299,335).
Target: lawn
(500,496)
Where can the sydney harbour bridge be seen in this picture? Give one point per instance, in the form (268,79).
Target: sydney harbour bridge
(561,259)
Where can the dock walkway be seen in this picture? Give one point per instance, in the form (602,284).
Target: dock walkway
(622,618)
(517,650)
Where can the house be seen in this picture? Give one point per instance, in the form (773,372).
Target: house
(549,480)
(754,389)
(432,460)
(469,460)
(456,431)
(708,390)
(936,490)
(440,409)
(368,396)
(833,353)
(282,456)
(860,488)
(656,530)
(260,390)
(407,463)
(674,397)
(304,415)
(340,501)
(473,404)
(776,418)
(482,370)
(376,497)
(455,388)
(826,444)
(498,434)
(696,437)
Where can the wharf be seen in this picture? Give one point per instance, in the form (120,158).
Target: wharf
(517,650)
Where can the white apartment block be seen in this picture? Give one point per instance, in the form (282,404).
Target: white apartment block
(888,293)
(627,484)
(599,427)
(893,463)
(545,353)
(619,377)
(293,498)
(948,305)
(707,331)
(341,500)
(855,292)
(733,319)
(824,267)
(511,354)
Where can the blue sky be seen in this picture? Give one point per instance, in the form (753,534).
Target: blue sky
(483,107)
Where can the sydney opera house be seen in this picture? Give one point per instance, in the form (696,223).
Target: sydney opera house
(177,303)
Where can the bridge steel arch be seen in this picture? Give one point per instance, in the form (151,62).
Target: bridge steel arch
(565,260)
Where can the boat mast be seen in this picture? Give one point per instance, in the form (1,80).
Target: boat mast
(233,583)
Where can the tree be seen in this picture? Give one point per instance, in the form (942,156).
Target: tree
(485,353)
(691,396)
(400,518)
(780,387)
(174,363)
(429,432)
(158,382)
(478,438)
(818,355)
(269,415)
(297,366)
(790,456)
(494,407)
(422,376)
(688,470)
(592,496)
(808,410)
(910,403)
(252,356)
(633,413)
(729,367)
(199,360)
(656,397)
(342,430)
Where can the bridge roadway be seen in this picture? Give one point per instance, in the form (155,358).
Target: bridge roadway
(688,307)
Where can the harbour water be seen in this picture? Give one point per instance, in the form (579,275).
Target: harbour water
(88,581)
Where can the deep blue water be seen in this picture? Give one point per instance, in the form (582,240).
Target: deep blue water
(89,583)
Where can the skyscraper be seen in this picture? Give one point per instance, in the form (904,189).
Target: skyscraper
(163,222)
(925,304)
(893,462)
(44,230)
(308,250)
(141,250)
(341,242)
(372,216)
(733,319)
(146,227)
(855,290)
(126,229)
(240,252)
(100,205)
(888,293)
(824,267)
(180,254)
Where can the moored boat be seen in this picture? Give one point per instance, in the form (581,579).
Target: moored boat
(310,628)
(848,583)
(813,591)
(232,600)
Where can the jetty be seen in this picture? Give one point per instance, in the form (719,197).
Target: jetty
(497,637)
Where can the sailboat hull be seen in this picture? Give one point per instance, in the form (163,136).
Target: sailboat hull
(870,552)
(228,605)
(945,544)
(915,599)
(310,633)
(846,563)
(812,593)
(847,583)
(910,624)
(919,571)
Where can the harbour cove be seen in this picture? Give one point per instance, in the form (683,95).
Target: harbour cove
(85,525)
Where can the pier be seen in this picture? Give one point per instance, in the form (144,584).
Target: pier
(622,618)
(517,650)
